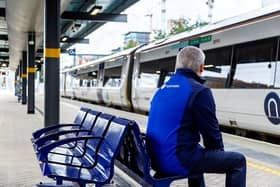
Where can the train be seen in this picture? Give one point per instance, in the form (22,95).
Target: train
(242,68)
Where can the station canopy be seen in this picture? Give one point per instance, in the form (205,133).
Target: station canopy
(78,19)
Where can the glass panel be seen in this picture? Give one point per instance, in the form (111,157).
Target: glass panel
(148,80)
(217,67)
(257,51)
(254,75)
(255,64)
(154,73)
(216,76)
(94,83)
(112,77)
(113,82)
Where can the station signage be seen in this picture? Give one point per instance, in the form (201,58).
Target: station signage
(200,40)
(72,51)
(194,41)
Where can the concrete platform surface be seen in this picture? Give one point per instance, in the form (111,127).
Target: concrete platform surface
(19,167)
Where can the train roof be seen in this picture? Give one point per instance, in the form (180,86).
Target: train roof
(100,60)
(226,24)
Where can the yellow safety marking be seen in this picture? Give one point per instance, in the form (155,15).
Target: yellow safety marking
(52,52)
(31,70)
(23,75)
(264,168)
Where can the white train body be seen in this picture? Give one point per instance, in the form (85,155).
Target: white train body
(242,68)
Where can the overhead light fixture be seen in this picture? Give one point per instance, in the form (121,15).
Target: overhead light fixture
(64,38)
(31,42)
(157,71)
(209,66)
(95,10)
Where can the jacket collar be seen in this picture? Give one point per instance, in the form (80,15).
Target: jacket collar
(190,74)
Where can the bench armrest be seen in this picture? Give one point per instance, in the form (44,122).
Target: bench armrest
(45,149)
(42,141)
(39,132)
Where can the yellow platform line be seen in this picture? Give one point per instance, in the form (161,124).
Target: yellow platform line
(264,168)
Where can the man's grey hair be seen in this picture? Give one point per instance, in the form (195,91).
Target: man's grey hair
(190,57)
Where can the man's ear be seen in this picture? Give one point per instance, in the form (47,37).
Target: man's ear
(201,68)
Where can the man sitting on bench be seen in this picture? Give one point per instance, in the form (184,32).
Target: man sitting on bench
(182,110)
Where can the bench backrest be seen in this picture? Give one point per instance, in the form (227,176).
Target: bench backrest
(89,121)
(101,124)
(110,146)
(81,115)
(99,130)
(138,160)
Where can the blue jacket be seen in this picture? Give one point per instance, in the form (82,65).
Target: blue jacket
(181,111)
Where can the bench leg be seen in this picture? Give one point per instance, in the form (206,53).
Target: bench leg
(55,184)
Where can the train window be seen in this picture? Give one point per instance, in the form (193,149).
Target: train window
(256,64)
(154,73)
(149,80)
(112,77)
(254,75)
(94,82)
(217,66)
(88,83)
(113,82)
(257,51)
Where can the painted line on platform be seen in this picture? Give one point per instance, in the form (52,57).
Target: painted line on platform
(263,168)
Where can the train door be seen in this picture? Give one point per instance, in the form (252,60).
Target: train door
(92,85)
(69,85)
(111,91)
(253,83)
(100,83)
(216,73)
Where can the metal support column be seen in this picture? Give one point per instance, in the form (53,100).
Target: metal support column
(52,55)
(31,71)
(24,76)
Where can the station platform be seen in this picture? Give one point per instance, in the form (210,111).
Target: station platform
(19,167)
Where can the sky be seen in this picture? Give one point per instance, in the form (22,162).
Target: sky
(110,36)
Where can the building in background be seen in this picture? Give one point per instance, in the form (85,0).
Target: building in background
(139,37)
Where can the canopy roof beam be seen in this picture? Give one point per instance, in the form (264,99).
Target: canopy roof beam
(102,17)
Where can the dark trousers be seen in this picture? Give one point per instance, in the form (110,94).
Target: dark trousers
(215,161)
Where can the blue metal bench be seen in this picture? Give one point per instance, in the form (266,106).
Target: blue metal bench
(96,164)
(73,154)
(84,128)
(78,121)
(134,160)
